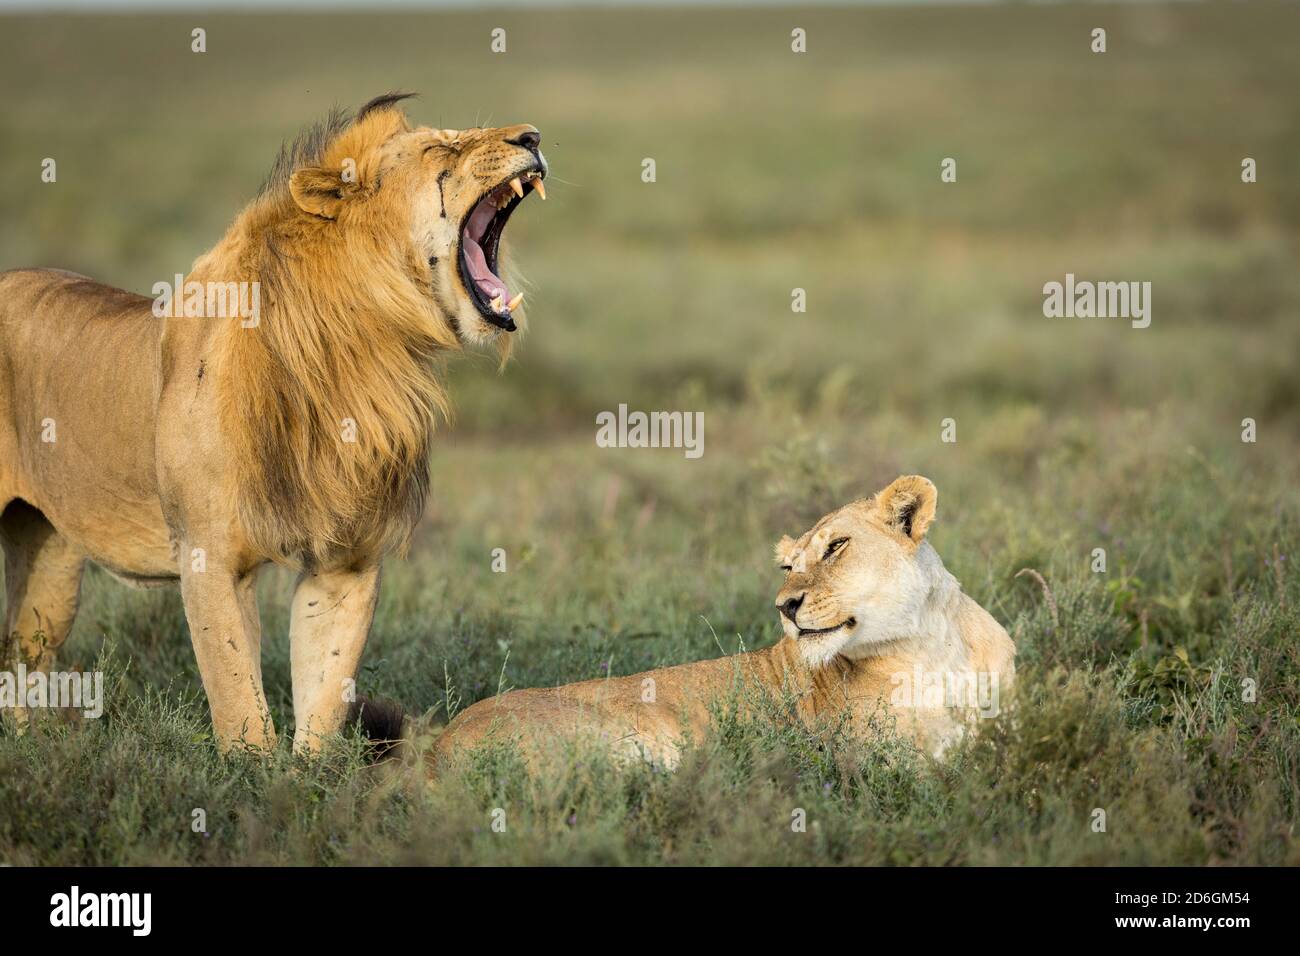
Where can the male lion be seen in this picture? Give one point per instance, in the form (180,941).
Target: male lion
(171,444)
(874,625)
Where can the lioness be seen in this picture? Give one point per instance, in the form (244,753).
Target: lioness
(874,624)
(170,440)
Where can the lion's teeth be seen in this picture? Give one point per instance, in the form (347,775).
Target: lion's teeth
(496,304)
(514,303)
(541,190)
(518,187)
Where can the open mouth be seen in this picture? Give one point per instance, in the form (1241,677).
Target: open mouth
(811,631)
(480,243)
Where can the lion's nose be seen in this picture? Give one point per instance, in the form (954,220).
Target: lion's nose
(530,139)
(791,607)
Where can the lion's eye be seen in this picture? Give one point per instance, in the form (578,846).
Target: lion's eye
(834,546)
(787,567)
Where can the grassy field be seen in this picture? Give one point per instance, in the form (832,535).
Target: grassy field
(775,171)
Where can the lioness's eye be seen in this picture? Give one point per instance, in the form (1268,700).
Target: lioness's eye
(834,546)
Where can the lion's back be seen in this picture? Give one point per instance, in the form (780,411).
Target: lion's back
(78,394)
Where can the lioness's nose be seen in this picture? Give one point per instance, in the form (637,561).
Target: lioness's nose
(791,607)
(530,139)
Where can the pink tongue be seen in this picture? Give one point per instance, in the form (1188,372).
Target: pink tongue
(479,219)
(487,281)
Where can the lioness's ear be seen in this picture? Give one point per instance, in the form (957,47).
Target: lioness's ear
(908,504)
(317,191)
(782,549)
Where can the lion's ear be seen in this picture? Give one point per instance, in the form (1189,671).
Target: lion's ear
(908,505)
(782,550)
(317,191)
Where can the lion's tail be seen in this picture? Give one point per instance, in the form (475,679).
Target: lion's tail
(382,723)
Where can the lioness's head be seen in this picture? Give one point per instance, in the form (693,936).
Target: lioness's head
(441,197)
(860,577)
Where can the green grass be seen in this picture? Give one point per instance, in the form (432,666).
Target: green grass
(774,172)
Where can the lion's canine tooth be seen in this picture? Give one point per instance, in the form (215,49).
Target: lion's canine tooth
(496,304)
(514,303)
(541,190)
(518,187)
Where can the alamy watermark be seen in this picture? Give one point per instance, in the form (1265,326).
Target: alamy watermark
(1102,300)
(208,300)
(80,690)
(133,911)
(963,690)
(626,429)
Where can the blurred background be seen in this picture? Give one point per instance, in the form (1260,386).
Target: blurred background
(775,171)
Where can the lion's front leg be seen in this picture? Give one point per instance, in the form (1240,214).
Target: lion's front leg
(221,607)
(332,611)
